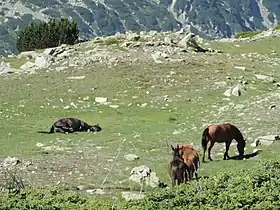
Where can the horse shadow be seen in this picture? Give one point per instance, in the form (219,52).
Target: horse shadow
(246,156)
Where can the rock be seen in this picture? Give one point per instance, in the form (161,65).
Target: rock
(227,93)
(10,161)
(265,140)
(29,54)
(5,68)
(237,90)
(243,68)
(84,187)
(144,174)
(131,157)
(265,78)
(76,77)
(49,51)
(41,61)
(132,196)
(28,66)
(257,150)
(272,106)
(114,106)
(40,145)
(101,100)
(130,36)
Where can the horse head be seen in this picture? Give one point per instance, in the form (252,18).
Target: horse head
(240,147)
(95,128)
(176,151)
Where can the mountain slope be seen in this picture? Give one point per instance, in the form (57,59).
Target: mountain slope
(221,18)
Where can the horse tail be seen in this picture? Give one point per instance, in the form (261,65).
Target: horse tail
(51,131)
(204,138)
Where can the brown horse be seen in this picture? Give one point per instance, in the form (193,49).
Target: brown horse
(191,159)
(222,133)
(177,168)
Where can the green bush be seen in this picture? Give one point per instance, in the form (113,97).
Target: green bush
(276,28)
(257,188)
(47,34)
(246,34)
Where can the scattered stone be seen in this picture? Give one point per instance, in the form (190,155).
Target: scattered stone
(144,174)
(132,196)
(84,187)
(272,106)
(243,68)
(265,78)
(131,157)
(10,161)
(265,140)
(101,100)
(114,106)
(40,145)
(76,77)
(227,93)
(237,90)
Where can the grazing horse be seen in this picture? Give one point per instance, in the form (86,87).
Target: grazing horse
(70,125)
(191,159)
(222,133)
(177,168)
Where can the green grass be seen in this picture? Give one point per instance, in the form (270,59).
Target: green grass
(276,28)
(246,34)
(31,102)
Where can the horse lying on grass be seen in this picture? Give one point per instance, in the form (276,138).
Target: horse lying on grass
(222,133)
(178,170)
(70,125)
(191,159)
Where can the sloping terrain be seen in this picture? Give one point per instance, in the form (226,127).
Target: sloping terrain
(222,18)
(156,94)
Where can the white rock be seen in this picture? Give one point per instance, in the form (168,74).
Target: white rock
(131,157)
(101,100)
(243,68)
(76,77)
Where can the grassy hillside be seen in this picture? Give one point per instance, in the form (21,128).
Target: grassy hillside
(159,105)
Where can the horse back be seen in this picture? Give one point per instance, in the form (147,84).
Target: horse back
(221,132)
(70,122)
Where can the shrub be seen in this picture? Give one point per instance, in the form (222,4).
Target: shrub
(257,188)
(246,34)
(276,28)
(44,35)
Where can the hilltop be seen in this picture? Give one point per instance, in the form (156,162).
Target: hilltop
(216,19)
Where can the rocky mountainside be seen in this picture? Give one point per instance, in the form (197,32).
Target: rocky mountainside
(220,18)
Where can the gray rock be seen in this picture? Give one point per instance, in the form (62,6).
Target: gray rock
(42,61)
(28,66)
(237,90)
(265,78)
(131,157)
(10,161)
(265,140)
(143,174)
(132,196)
(227,93)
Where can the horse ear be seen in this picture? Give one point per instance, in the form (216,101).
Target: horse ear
(172,147)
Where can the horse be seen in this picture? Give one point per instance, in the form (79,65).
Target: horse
(222,133)
(177,168)
(70,125)
(191,159)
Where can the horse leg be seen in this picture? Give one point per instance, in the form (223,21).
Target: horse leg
(204,150)
(209,150)
(227,148)
(59,130)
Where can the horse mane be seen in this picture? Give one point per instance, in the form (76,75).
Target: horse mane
(238,135)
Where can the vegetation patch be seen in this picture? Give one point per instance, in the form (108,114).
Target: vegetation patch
(257,188)
(276,28)
(246,34)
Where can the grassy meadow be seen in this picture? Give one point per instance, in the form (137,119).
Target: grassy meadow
(158,105)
